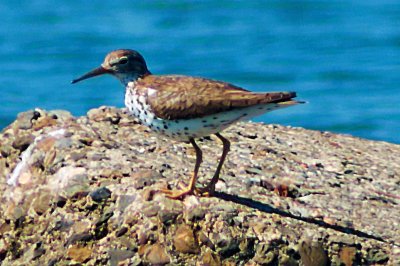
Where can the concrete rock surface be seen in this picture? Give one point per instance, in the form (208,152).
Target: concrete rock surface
(85,190)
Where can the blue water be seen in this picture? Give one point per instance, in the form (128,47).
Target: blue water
(343,57)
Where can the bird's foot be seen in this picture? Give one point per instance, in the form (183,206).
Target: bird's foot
(207,191)
(177,194)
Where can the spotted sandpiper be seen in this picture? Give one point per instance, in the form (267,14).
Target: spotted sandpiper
(185,108)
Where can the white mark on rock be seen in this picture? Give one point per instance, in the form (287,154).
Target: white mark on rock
(23,166)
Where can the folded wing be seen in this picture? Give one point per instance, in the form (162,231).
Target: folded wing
(181,97)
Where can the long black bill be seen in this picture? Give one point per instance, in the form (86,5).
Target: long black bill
(95,72)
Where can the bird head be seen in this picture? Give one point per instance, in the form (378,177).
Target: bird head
(126,65)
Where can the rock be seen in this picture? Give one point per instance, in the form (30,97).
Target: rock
(184,240)
(210,259)
(41,203)
(62,115)
(70,181)
(86,190)
(100,194)
(348,256)
(156,255)
(121,232)
(45,121)
(76,238)
(4,246)
(313,254)
(24,120)
(377,257)
(117,255)
(22,142)
(265,255)
(169,212)
(144,178)
(79,253)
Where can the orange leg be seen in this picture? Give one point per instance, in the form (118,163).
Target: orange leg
(192,185)
(209,190)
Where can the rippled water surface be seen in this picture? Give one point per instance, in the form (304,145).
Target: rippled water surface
(343,57)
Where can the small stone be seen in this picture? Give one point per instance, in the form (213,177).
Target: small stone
(184,240)
(46,121)
(117,255)
(205,240)
(104,113)
(46,144)
(156,255)
(22,142)
(42,202)
(121,231)
(79,253)
(169,213)
(70,181)
(60,201)
(5,150)
(195,214)
(60,115)
(100,194)
(211,259)
(81,227)
(376,256)
(144,178)
(151,210)
(348,255)
(104,218)
(84,237)
(312,253)
(24,120)
(264,254)
(4,246)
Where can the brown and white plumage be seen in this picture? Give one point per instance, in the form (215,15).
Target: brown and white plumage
(182,97)
(184,107)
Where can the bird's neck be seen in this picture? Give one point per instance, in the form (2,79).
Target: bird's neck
(125,78)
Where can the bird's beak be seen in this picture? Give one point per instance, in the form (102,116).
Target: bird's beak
(95,72)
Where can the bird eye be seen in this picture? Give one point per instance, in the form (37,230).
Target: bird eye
(123,60)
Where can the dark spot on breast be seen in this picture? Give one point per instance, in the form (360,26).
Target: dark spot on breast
(186,128)
(215,117)
(145,113)
(178,133)
(177,121)
(204,121)
(245,114)
(158,128)
(260,108)
(186,133)
(165,127)
(224,121)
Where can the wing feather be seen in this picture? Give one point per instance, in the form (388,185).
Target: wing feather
(183,97)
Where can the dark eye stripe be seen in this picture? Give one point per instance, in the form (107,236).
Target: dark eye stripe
(123,60)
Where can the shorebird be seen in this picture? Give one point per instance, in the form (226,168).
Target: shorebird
(185,108)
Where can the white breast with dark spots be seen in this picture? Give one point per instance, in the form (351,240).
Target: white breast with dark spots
(185,129)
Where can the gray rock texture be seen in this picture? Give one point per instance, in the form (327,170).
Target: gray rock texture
(85,191)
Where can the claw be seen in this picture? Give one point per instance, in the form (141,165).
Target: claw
(176,194)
